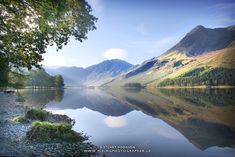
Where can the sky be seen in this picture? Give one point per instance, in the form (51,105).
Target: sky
(137,30)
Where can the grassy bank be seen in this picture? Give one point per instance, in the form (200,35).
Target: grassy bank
(47,131)
(43,130)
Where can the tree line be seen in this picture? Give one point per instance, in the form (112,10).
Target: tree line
(37,78)
(203,76)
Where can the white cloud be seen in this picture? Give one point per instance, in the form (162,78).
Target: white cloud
(115,122)
(96,5)
(115,53)
(141,28)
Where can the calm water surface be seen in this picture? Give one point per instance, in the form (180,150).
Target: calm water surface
(183,122)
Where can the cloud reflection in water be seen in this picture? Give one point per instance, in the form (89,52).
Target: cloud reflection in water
(115,122)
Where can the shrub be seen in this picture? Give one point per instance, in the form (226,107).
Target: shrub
(46,131)
(19,119)
(36,114)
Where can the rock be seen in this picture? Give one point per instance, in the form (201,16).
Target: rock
(9,91)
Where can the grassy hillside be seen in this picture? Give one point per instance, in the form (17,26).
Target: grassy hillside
(214,68)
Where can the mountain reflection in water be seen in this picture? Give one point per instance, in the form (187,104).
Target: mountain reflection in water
(205,117)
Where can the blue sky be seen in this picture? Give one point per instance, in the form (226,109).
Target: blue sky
(137,30)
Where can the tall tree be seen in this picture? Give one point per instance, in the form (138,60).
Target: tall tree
(28,27)
(58,81)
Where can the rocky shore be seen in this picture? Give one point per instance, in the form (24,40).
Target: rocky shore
(13,141)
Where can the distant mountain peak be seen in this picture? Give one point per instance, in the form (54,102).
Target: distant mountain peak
(110,62)
(197,29)
(103,70)
(115,60)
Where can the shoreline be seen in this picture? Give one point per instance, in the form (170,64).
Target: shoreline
(13,135)
(202,87)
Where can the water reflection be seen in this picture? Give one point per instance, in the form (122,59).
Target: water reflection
(204,116)
(93,99)
(115,122)
(154,119)
(39,97)
(203,97)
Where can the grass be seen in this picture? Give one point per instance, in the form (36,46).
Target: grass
(42,130)
(37,114)
(47,131)
(19,119)
(32,114)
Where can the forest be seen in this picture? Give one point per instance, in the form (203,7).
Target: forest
(37,78)
(203,76)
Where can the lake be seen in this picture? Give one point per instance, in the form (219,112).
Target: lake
(163,122)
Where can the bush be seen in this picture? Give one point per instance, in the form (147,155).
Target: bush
(37,114)
(46,131)
(19,119)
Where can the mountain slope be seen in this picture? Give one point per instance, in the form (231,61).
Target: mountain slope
(216,49)
(93,75)
(214,68)
(201,40)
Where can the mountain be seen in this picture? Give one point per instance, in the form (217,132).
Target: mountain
(201,40)
(203,57)
(107,68)
(93,75)
(71,75)
(110,67)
